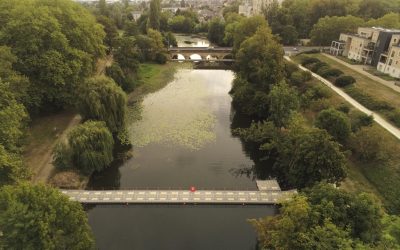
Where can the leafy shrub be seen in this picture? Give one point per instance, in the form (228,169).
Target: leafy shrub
(394,116)
(62,156)
(335,122)
(316,66)
(359,119)
(161,58)
(290,68)
(320,104)
(344,81)
(298,78)
(309,60)
(332,72)
(125,81)
(323,70)
(313,51)
(343,108)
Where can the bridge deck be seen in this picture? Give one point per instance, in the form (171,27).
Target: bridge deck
(269,193)
(202,60)
(178,196)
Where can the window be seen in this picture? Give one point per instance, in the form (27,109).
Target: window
(392,54)
(390,62)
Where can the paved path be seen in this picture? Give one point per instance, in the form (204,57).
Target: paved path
(360,69)
(269,193)
(378,119)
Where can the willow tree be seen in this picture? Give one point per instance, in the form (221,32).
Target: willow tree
(91,145)
(101,99)
(40,217)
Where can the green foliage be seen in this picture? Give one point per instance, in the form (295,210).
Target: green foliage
(344,81)
(309,60)
(123,80)
(329,28)
(91,146)
(260,59)
(55,49)
(62,156)
(12,119)
(169,40)
(307,156)
(181,24)
(154,15)
(323,217)
(127,53)
(283,100)
(335,122)
(101,99)
(216,29)
(390,21)
(12,169)
(110,30)
(359,119)
(40,217)
(246,28)
(368,144)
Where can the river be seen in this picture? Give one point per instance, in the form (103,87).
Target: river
(182,138)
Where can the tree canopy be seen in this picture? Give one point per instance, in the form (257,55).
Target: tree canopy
(101,99)
(55,49)
(323,217)
(335,122)
(40,217)
(91,145)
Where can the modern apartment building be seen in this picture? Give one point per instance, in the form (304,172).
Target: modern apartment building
(378,47)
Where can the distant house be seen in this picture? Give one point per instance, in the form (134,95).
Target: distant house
(255,7)
(375,46)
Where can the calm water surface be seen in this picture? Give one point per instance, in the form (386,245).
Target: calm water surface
(181,137)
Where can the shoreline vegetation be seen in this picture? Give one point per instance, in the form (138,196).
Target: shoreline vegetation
(46,131)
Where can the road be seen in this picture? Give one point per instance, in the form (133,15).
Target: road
(378,119)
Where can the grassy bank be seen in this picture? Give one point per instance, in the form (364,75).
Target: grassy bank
(380,177)
(366,91)
(152,77)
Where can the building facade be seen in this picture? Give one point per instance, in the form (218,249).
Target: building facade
(373,46)
(255,7)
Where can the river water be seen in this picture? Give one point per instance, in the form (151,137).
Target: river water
(181,137)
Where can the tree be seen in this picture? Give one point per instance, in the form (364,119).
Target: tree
(323,8)
(110,30)
(127,54)
(91,146)
(360,213)
(368,144)
(56,49)
(283,100)
(260,59)
(335,122)
(101,99)
(295,228)
(390,21)
(18,84)
(13,118)
(307,156)
(12,169)
(103,7)
(216,31)
(154,15)
(323,217)
(328,28)
(125,81)
(246,28)
(373,8)
(40,217)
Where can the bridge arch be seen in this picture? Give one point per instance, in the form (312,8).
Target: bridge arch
(178,56)
(195,56)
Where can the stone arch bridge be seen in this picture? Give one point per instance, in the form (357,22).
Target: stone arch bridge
(206,53)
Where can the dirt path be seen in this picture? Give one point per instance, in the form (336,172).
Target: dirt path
(45,132)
